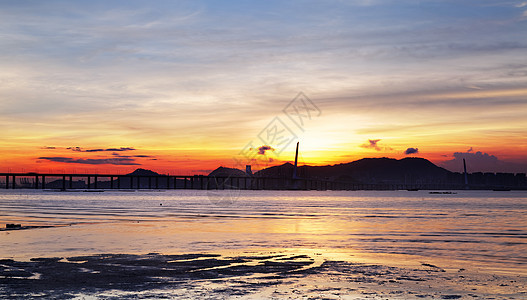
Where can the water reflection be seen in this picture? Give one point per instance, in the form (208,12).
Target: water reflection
(468,226)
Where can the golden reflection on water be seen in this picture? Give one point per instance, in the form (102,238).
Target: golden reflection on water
(387,227)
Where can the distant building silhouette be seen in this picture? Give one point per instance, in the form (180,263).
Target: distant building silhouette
(248,170)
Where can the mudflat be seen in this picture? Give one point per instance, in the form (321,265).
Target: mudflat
(248,275)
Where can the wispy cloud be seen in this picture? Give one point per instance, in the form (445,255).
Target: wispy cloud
(110,149)
(199,74)
(79,149)
(374,144)
(139,156)
(92,161)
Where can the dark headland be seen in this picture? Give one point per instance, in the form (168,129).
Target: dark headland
(388,171)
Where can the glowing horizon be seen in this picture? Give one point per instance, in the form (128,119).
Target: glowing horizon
(186,86)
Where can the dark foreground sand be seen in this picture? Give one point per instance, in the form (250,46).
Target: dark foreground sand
(252,276)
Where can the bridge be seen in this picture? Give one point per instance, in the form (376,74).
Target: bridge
(118,181)
(92,182)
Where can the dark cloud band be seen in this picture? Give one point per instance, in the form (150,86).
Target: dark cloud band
(93,161)
(79,149)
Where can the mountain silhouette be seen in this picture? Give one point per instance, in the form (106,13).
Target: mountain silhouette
(366,170)
(227,172)
(380,172)
(143,172)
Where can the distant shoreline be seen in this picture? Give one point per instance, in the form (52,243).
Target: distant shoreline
(364,174)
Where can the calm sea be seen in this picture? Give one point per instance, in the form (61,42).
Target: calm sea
(482,227)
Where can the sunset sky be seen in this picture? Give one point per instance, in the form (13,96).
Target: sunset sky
(186,86)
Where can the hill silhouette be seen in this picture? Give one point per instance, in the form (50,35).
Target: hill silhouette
(381,172)
(367,170)
(227,172)
(143,172)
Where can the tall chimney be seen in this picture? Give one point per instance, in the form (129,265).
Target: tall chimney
(465,172)
(296,162)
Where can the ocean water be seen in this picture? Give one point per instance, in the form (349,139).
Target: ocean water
(485,228)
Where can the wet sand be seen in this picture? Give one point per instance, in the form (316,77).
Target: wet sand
(247,275)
